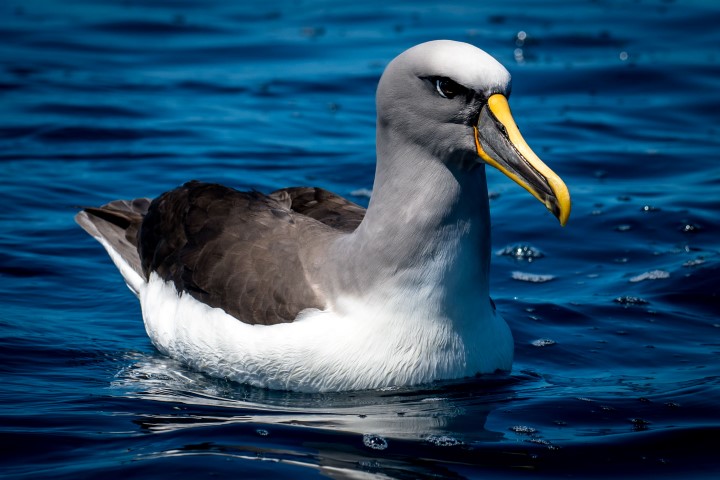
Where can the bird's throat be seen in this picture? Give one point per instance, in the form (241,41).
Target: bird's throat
(426,235)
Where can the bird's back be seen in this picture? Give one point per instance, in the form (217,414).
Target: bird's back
(238,251)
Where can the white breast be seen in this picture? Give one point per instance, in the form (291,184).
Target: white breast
(362,348)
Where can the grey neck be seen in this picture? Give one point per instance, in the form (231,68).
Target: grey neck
(427,227)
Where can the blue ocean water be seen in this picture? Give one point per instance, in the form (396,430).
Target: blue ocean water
(615,317)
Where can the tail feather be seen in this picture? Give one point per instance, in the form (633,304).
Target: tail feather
(116,226)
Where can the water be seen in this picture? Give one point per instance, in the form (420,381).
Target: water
(615,317)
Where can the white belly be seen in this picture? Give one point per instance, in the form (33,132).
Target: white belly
(323,350)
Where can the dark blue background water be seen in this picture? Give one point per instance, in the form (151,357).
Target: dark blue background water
(617,366)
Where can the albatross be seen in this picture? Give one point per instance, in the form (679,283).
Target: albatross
(301,289)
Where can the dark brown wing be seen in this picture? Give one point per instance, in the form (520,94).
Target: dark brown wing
(323,206)
(234,250)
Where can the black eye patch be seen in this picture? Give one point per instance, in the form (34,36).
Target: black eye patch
(448,88)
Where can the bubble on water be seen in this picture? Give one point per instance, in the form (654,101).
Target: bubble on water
(369,464)
(443,440)
(262,432)
(523,429)
(542,441)
(694,263)
(639,424)
(623,56)
(690,228)
(376,442)
(531,277)
(651,275)
(628,300)
(623,228)
(521,252)
(361,192)
(650,208)
(542,342)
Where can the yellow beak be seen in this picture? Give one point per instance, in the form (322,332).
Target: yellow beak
(500,144)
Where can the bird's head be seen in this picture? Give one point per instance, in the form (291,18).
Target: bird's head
(451,97)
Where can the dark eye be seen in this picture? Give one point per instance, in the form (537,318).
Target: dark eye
(448,88)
